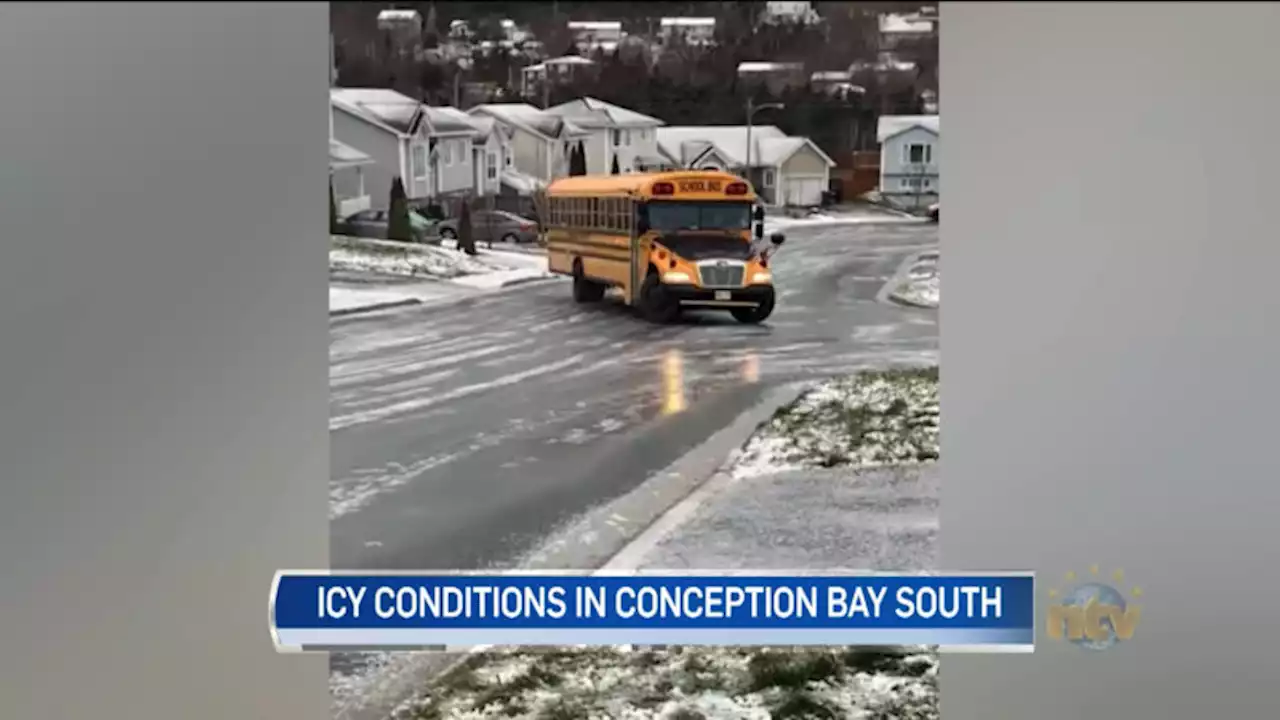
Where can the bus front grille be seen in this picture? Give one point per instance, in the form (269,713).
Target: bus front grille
(722,274)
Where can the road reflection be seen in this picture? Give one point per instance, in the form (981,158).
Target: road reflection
(673,390)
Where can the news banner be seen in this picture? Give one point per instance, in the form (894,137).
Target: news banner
(325,611)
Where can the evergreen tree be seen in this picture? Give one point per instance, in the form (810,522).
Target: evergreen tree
(578,160)
(398,227)
(616,170)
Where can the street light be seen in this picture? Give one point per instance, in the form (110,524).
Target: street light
(752,109)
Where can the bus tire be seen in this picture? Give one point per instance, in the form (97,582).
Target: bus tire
(754,315)
(584,290)
(655,305)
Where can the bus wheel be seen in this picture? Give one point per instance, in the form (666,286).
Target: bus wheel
(654,303)
(754,315)
(584,290)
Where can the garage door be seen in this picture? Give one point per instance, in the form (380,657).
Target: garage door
(803,191)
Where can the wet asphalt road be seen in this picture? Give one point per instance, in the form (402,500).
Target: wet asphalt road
(462,435)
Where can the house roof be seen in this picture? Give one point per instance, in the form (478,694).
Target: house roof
(771,146)
(400,113)
(443,120)
(391,110)
(343,155)
(595,25)
(688,22)
(893,24)
(750,67)
(588,112)
(532,119)
(890,125)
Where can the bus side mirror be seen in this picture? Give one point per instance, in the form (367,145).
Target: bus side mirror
(777,238)
(759,231)
(758,215)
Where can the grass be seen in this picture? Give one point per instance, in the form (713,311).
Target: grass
(873,418)
(672,682)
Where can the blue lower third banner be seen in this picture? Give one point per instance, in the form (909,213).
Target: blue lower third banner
(333,611)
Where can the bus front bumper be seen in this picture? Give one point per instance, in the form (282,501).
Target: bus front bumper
(749,296)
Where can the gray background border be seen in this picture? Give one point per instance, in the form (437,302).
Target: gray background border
(163,431)
(1109,340)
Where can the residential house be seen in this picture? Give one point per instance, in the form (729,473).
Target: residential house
(697,31)
(616,132)
(427,148)
(536,79)
(909,159)
(346,177)
(776,76)
(838,83)
(458,148)
(590,36)
(491,148)
(539,144)
(790,11)
(785,170)
(897,30)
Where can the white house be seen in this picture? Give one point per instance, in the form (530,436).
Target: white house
(491,150)
(689,30)
(539,143)
(785,170)
(427,148)
(909,159)
(458,148)
(896,29)
(590,36)
(616,133)
(554,71)
(790,11)
(777,76)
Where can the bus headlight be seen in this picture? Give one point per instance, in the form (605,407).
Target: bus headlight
(676,278)
(762,277)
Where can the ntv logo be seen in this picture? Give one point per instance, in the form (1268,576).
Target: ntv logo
(1091,613)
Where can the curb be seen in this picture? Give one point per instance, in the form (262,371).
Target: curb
(348,312)
(611,529)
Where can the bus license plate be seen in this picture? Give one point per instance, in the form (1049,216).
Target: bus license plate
(723,295)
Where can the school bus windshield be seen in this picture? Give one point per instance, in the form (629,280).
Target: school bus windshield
(671,216)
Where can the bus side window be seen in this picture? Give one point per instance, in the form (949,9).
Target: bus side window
(613,214)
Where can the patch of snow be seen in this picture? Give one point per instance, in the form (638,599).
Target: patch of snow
(923,291)
(489,269)
(668,683)
(871,419)
(849,217)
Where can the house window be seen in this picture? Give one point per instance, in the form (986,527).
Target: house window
(766,178)
(419,162)
(918,153)
(491,169)
(626,137)
(617,138)
(917,183)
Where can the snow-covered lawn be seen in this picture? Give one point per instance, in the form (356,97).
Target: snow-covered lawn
(434,261)
(873,418)
(674,683)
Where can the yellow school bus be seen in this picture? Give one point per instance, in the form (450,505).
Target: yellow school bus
(667,241)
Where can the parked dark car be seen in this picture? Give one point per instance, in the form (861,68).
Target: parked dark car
(933,212)
(491,225)
(374,224)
